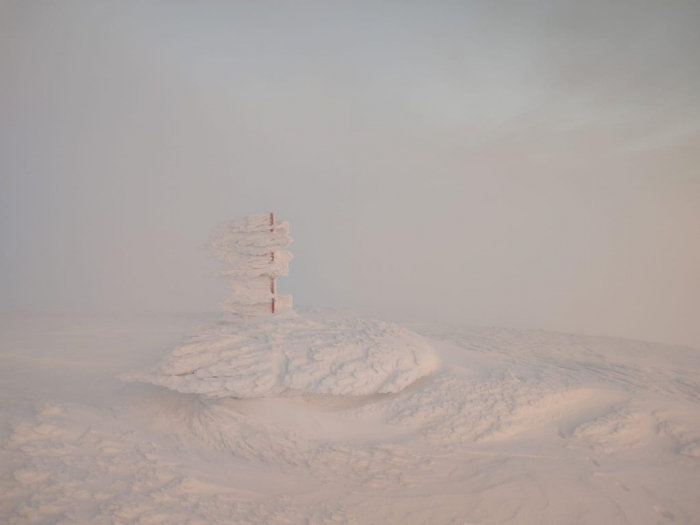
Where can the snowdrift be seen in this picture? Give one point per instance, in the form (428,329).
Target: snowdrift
(293,355)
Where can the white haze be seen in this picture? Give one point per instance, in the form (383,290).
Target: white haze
(527,164)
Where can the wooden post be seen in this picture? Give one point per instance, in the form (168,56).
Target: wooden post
(272,260)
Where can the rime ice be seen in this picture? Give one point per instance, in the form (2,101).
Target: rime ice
(254,249)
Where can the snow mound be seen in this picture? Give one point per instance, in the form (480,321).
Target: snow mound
(293,355)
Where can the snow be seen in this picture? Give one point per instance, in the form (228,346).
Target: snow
(516,427)
(292,355)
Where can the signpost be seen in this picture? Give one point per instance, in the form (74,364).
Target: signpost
(272,260)
(254,249)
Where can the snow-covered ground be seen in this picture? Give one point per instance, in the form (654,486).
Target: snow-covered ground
(516,427)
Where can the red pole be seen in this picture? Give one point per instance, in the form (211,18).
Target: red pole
(272,260)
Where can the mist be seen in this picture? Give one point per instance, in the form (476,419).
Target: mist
(519,164)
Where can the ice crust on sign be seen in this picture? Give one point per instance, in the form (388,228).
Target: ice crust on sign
(254,249)
(270,357)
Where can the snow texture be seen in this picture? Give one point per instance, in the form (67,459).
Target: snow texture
(254,249)
(283,355)
(515,427)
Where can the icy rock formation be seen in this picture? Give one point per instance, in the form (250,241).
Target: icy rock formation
(254,249)
(292,355)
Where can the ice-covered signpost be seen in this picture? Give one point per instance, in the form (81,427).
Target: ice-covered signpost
(258,354)
(254,249)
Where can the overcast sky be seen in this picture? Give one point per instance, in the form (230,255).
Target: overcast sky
(526,164)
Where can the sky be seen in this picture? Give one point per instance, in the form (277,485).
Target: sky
(515,163)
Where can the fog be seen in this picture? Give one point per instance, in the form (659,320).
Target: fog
(524,164)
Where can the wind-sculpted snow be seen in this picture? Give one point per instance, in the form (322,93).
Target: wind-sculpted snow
(513,428)
(277,356)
